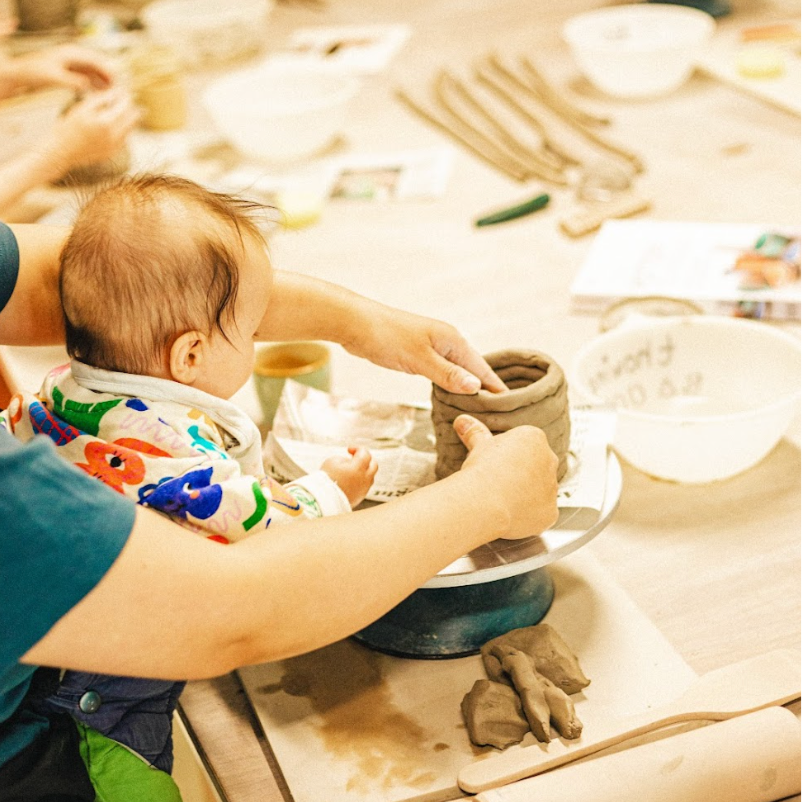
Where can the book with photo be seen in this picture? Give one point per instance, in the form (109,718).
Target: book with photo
(732,269)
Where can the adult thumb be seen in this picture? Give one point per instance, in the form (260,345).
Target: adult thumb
(471,431)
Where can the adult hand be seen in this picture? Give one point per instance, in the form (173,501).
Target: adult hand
(520,470)
(415,344)
(68,66)
(93,130)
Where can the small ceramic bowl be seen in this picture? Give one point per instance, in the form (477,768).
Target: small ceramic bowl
(639,50)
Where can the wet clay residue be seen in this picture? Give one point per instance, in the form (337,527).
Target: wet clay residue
(358,720)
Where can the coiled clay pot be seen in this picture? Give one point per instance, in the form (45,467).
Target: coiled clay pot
(538,396)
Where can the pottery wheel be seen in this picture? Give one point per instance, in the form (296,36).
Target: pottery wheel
(505,558)
(493,589)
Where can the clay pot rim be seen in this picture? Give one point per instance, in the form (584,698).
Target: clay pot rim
(512,399)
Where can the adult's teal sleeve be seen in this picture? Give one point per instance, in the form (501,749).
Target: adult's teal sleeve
(9,263)
(60,531)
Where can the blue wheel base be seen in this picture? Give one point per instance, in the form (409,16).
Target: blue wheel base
(436,623)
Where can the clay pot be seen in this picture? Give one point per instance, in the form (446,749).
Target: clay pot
(537,396)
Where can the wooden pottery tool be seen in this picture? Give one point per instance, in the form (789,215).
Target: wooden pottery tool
(769,679)
(751,758)
(585,219)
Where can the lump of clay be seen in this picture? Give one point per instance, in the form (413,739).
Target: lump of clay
(537,395)
(493,715)
(542,701)
(548,652)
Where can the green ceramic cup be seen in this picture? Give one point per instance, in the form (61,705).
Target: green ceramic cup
(305,362)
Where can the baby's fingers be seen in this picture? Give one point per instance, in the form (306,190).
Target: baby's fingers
(360,456)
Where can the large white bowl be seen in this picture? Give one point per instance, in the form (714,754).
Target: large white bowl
(279,113)
(639,50)
(699,398)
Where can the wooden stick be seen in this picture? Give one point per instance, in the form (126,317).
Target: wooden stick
(505,94)
(440,92)
(536,163)
(554,100)
(581,128)
(495,160)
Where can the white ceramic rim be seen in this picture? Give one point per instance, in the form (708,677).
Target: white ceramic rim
(350,86)
(201,13)
(693,320)
(657,10)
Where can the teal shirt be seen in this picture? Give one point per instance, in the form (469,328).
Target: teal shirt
(60,531)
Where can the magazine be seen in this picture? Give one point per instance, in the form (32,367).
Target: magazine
(731,269)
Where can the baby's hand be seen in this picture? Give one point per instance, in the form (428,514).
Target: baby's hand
(353,474)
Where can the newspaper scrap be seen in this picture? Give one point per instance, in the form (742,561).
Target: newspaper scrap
(311,425)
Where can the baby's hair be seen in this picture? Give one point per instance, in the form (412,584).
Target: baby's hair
(149,258)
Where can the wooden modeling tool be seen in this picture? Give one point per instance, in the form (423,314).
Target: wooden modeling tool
(770,679)
(751,758)
(589,217)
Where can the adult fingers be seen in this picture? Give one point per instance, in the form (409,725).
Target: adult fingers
(471,431)
(94,66)
(463,368)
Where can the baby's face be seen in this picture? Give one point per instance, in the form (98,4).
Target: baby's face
(229,362)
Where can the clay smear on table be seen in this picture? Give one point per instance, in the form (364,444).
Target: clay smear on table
(537,395)
(358,720)
(532,674)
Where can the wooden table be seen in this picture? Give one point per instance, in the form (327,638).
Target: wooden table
(716,567)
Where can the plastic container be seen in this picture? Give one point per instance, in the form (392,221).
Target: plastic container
(207,33)
(699,398)
(638,51)
(281,113)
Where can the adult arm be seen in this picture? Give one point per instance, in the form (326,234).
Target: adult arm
(91,131)
(177,606)
(69,66)
(33,314)
(302,307)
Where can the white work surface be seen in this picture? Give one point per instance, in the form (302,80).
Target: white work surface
(715,568)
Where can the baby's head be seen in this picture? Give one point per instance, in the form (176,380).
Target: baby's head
(161,277)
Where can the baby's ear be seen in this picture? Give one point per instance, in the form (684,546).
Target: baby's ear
(186,356)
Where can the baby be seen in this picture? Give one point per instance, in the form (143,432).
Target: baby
(164,286)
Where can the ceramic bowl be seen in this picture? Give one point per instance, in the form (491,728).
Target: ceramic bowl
(207,33)
(640,50)
(699,398)
(281,113)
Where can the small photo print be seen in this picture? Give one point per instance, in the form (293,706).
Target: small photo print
(367,184)
(403,175)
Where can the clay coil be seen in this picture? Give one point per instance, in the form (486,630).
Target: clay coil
(509,361)
(537,395)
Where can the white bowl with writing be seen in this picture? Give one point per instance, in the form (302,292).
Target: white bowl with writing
(699,398)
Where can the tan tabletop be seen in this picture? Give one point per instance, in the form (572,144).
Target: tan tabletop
(716,567)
